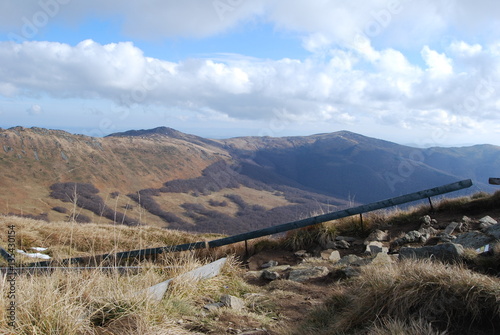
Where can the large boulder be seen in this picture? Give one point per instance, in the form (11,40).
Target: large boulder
(444,252)
(473,239)
(305,274)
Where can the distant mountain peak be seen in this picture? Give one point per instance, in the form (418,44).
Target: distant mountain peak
(165,131)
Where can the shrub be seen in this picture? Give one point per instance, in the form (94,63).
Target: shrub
(85,196)
(60,209)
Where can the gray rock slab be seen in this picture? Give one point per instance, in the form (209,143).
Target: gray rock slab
(473,239)
(450,228)
(488,219)
(304,274)
(374,247)
(445,252)
(493,231)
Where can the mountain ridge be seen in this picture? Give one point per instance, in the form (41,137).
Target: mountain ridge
(295,173)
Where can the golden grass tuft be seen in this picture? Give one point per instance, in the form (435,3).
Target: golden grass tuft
(448,297)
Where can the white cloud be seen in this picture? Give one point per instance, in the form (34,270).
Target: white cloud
(35,110)
(336,88)
(438,64)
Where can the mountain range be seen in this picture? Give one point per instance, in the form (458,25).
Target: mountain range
(170,179)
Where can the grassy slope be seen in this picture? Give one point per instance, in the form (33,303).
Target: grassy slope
(405,298)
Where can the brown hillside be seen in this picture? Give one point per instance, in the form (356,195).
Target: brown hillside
(33,159)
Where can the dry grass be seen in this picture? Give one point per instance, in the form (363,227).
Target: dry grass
(445,297)
(94,302)
(70,239)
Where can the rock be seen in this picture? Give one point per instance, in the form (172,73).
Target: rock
(346,272)
(486,222)
(279,268)
(444,252)
(305,274)
(445,238)
(473,239)
(345,238)
(232,302)
(325,254)
(374,247)
(488,219)
(269,264)
(493,231)
(412,237)
(302,253)
(270,275)
(450,228)
(428,231)
(334,256)
(342,244)
(377,235)
(426,220)
(214,306)
(352,260)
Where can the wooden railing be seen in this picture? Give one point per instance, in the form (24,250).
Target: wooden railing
(425,194)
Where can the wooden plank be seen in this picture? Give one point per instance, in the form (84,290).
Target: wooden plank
(494,181)
(211,270)
(344,213)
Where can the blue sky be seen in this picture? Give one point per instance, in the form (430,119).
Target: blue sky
(424,73)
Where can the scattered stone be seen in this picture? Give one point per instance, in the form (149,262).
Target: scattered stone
(426,220)
(413,237)
(444,252)
(486,222)
(214,306)
(445,238)
(269,264)
(473,239)
(345,238)
(450,228)
(279,268)
(334,256)
(488,219)
(428,231)
(374,247)
(377,235)
(325,254)
(302,253)
(270,275)
(352,260)
(466,219)
(232,302)
(342,244)
(493,231)
(346,272)
(304,274)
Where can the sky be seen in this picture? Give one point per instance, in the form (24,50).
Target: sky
(422,73)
